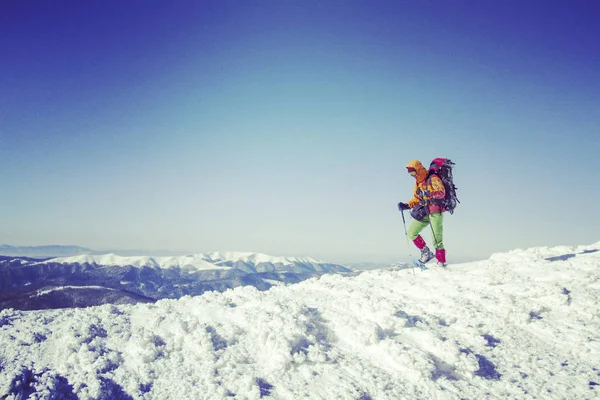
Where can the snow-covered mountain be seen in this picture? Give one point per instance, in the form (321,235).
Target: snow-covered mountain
(258,262)
(244,261)
(364,266)
(520,325)
(191,262)
(88,279)
(42,251)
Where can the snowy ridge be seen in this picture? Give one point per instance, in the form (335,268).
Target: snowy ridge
(42,251)
(257,258)
(131,278)
(197,262)
(246,261)
(520,325)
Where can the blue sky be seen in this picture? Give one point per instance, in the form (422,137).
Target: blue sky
(284,127)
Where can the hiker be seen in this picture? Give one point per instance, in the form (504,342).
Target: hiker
(429,193)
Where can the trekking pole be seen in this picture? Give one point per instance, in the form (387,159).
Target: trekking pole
(431,226)
(407,242)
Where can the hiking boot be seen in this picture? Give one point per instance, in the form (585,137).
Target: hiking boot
(441,264)
(426,255)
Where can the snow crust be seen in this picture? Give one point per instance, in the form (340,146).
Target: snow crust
(523,325)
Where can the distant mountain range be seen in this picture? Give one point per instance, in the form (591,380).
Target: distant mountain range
(83,280)
(365,266)
(42,251)
(243,261)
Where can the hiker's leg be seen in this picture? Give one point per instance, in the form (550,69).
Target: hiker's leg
(437,227)
(414,229)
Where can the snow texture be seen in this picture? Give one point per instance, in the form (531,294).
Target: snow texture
(521,325)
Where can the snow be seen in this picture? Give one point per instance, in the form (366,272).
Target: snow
(522,324)
(257,258)
(197,261)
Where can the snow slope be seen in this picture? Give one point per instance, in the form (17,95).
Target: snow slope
(521,325)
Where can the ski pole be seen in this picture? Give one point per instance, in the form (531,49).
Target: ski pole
(407,242)
(431,226)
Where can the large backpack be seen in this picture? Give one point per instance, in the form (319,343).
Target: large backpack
(442,167)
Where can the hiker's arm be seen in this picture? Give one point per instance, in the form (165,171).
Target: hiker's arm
(415,200)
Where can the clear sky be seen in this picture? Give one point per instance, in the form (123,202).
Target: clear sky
(283,127)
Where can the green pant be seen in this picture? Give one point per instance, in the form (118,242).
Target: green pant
(436,220)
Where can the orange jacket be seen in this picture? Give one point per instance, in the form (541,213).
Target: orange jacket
(427,187)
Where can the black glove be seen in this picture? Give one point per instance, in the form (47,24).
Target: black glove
(403,206)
